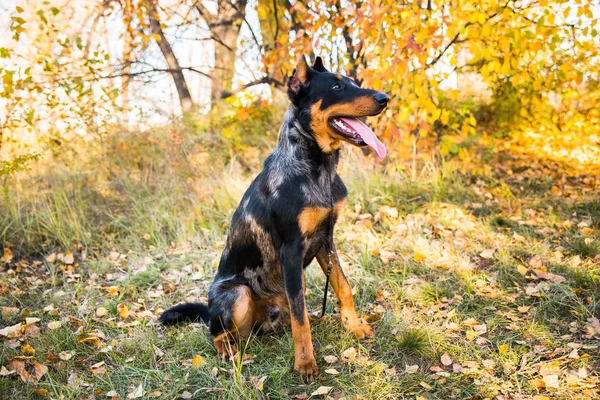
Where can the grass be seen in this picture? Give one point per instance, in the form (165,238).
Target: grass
(448,264)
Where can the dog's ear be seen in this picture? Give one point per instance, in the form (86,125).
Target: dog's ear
(299,79)
(318,65)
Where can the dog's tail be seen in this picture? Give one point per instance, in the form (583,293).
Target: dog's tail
(187,312)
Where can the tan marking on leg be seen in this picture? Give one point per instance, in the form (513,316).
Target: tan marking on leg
(243,312)
(225,346)
(343,292)
(304,359)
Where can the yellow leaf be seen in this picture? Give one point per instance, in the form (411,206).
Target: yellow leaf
(123,311)
(418,257)
(522,269)
(197,361)
(7,255)
(445,118)
(471,335)
(503,348)
(27,349)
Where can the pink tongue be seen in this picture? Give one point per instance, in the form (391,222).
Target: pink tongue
(367,135)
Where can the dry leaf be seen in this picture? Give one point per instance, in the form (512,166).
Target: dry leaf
(524,309)
(11,331)
(27,349)
(330,359)
(260,384)
(522,269)
(446,360)
(98,368)
(185,395)
(137,393)
(101,312)
(488,253)
(68,258)
(197,361)
(349,354)
(54,325)
(9,312)
(321,391)
(418,257)
(123,311)
(551,381)
(503,348)
(40,370)
(412,369)
(332,371)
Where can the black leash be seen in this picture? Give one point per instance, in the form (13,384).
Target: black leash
(331,254)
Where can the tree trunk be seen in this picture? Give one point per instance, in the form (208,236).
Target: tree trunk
(225,28)
(127,51)
(185,98)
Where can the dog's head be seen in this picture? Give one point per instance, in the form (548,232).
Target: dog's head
(332,107)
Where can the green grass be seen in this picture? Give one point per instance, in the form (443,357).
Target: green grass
(147,232)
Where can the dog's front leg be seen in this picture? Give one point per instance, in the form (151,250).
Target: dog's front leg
(293,275)
(344,294)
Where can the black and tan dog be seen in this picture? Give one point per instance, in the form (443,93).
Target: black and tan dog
(283,220)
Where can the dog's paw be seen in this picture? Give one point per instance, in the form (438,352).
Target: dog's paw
(308,370)
(362,331)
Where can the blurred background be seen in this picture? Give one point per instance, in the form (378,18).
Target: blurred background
(124,95)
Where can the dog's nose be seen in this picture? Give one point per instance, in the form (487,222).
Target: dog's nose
(382,99)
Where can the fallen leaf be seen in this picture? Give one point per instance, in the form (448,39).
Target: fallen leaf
(551,381)
(137,392)
(197,361)
(418,257)
(112,393)
(27,349)
(5,372)
(18,365)
(349,354)
(332,371)
(9,312)
(321,391)
(68,258)
(98,368)
(185,395)
(40,392)
(488,253)
(40,370)
(123,311)
(54,325)
(330,359)
(412,369)
(7,255)
(503,348)
(260,384)
(522,269)
(101,312)
(524,309)
(446,360)
(11,331)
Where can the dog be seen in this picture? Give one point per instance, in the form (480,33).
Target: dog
(284,220)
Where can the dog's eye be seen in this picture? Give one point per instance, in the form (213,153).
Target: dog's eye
(336,86)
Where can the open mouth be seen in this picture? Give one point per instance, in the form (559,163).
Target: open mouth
(357,133)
